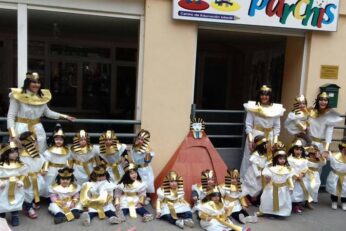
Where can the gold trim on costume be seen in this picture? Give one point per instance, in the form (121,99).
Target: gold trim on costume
(59,150)
(31,98)
(113,148)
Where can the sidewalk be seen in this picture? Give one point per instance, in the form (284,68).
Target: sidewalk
(322,218)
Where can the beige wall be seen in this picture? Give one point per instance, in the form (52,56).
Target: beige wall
(291,79)
(169,70)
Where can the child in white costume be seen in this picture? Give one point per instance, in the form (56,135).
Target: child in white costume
(316,161)
(83,157)
(27,105)
(56,157)
(12,173)
(253,181)
(141,155)
(96,197)
(131,194)
(64,196)
(336,181)
(233,199)
(35,181)
(171,205)
(299,166)
(262,118)
(213,214)
(297,120)
(111,151)
(276,198)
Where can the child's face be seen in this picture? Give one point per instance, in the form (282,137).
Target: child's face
(139,141)
(82,142)
(101,178)
(108,142)
(215,198)
(59,141)
(173,184)
(297,152)
(133,175)
(302,106)
(65,182)
(211,182)
(13,155)
(282,160)
(343,151)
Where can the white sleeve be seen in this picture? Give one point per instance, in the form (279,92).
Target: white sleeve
(249,121)
(50,114)
(329,133)
(277,126)
(12,112)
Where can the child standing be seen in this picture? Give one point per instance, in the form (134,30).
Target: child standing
(171,205)
(299,167)
(56,157)
(12,173)
(276,198)
(336,181)
(131,194)
(64,196)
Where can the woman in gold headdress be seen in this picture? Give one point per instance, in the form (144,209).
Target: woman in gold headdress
(56,157)
(27,105)
(262,118)
(12,173)
(110,150)
(171,205)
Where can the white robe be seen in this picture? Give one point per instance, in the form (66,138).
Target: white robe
(180,206)
(313,176)
(19,194)
(252,183)
(270,120)
(113,158)
(137,187)
(80,175)
(332,180)
(235,204)
(285,202)
(293,120)
(27,111)
(52,171)
(146,173)
(298,165)
(64,193)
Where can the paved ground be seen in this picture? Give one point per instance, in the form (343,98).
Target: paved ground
(322,218)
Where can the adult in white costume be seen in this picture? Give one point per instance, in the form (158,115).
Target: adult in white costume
(296,122)
(171,205)
(276,198)
(336,181)
(299,166)
(97,196)
(56,157)
(34,182)
(322,121)
(83,157)
(110,151)
(27,105)
(142,156)
(12,173)
(262,118)
(64,196)
(315,163)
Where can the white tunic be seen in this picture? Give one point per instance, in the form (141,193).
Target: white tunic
(27,111)
(278,175)
(113,158)
(322,127)
(138,188)
(339,165)
(146,172)
(80,175)
(268,119)
(298,165)
(179,203)
(293,120)
(6,172)
(231,198)
(34,167)
(52,171)
(64,194)
(252,182)
(313,176)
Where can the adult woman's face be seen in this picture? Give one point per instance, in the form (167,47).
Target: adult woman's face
(323,103)
(264,99)
(34,86)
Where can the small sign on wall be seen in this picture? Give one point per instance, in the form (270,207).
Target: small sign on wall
(329,72)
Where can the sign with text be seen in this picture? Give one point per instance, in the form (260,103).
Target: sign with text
(298,14)
(329,72)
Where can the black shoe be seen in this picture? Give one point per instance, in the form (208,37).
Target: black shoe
(76,214)
(58,220)
(15,220)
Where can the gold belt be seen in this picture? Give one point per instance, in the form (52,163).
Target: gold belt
(31,122)
(115,170)
(131,194)
(67,211)
(12,187)
(276,202)
(265,130)
(319,140)
(85,164)
(55,165)
(33,176)
(341,178)
(313,169)
(307,195)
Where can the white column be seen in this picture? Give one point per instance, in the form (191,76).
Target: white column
(138,111)
(22,41)
(303,77)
